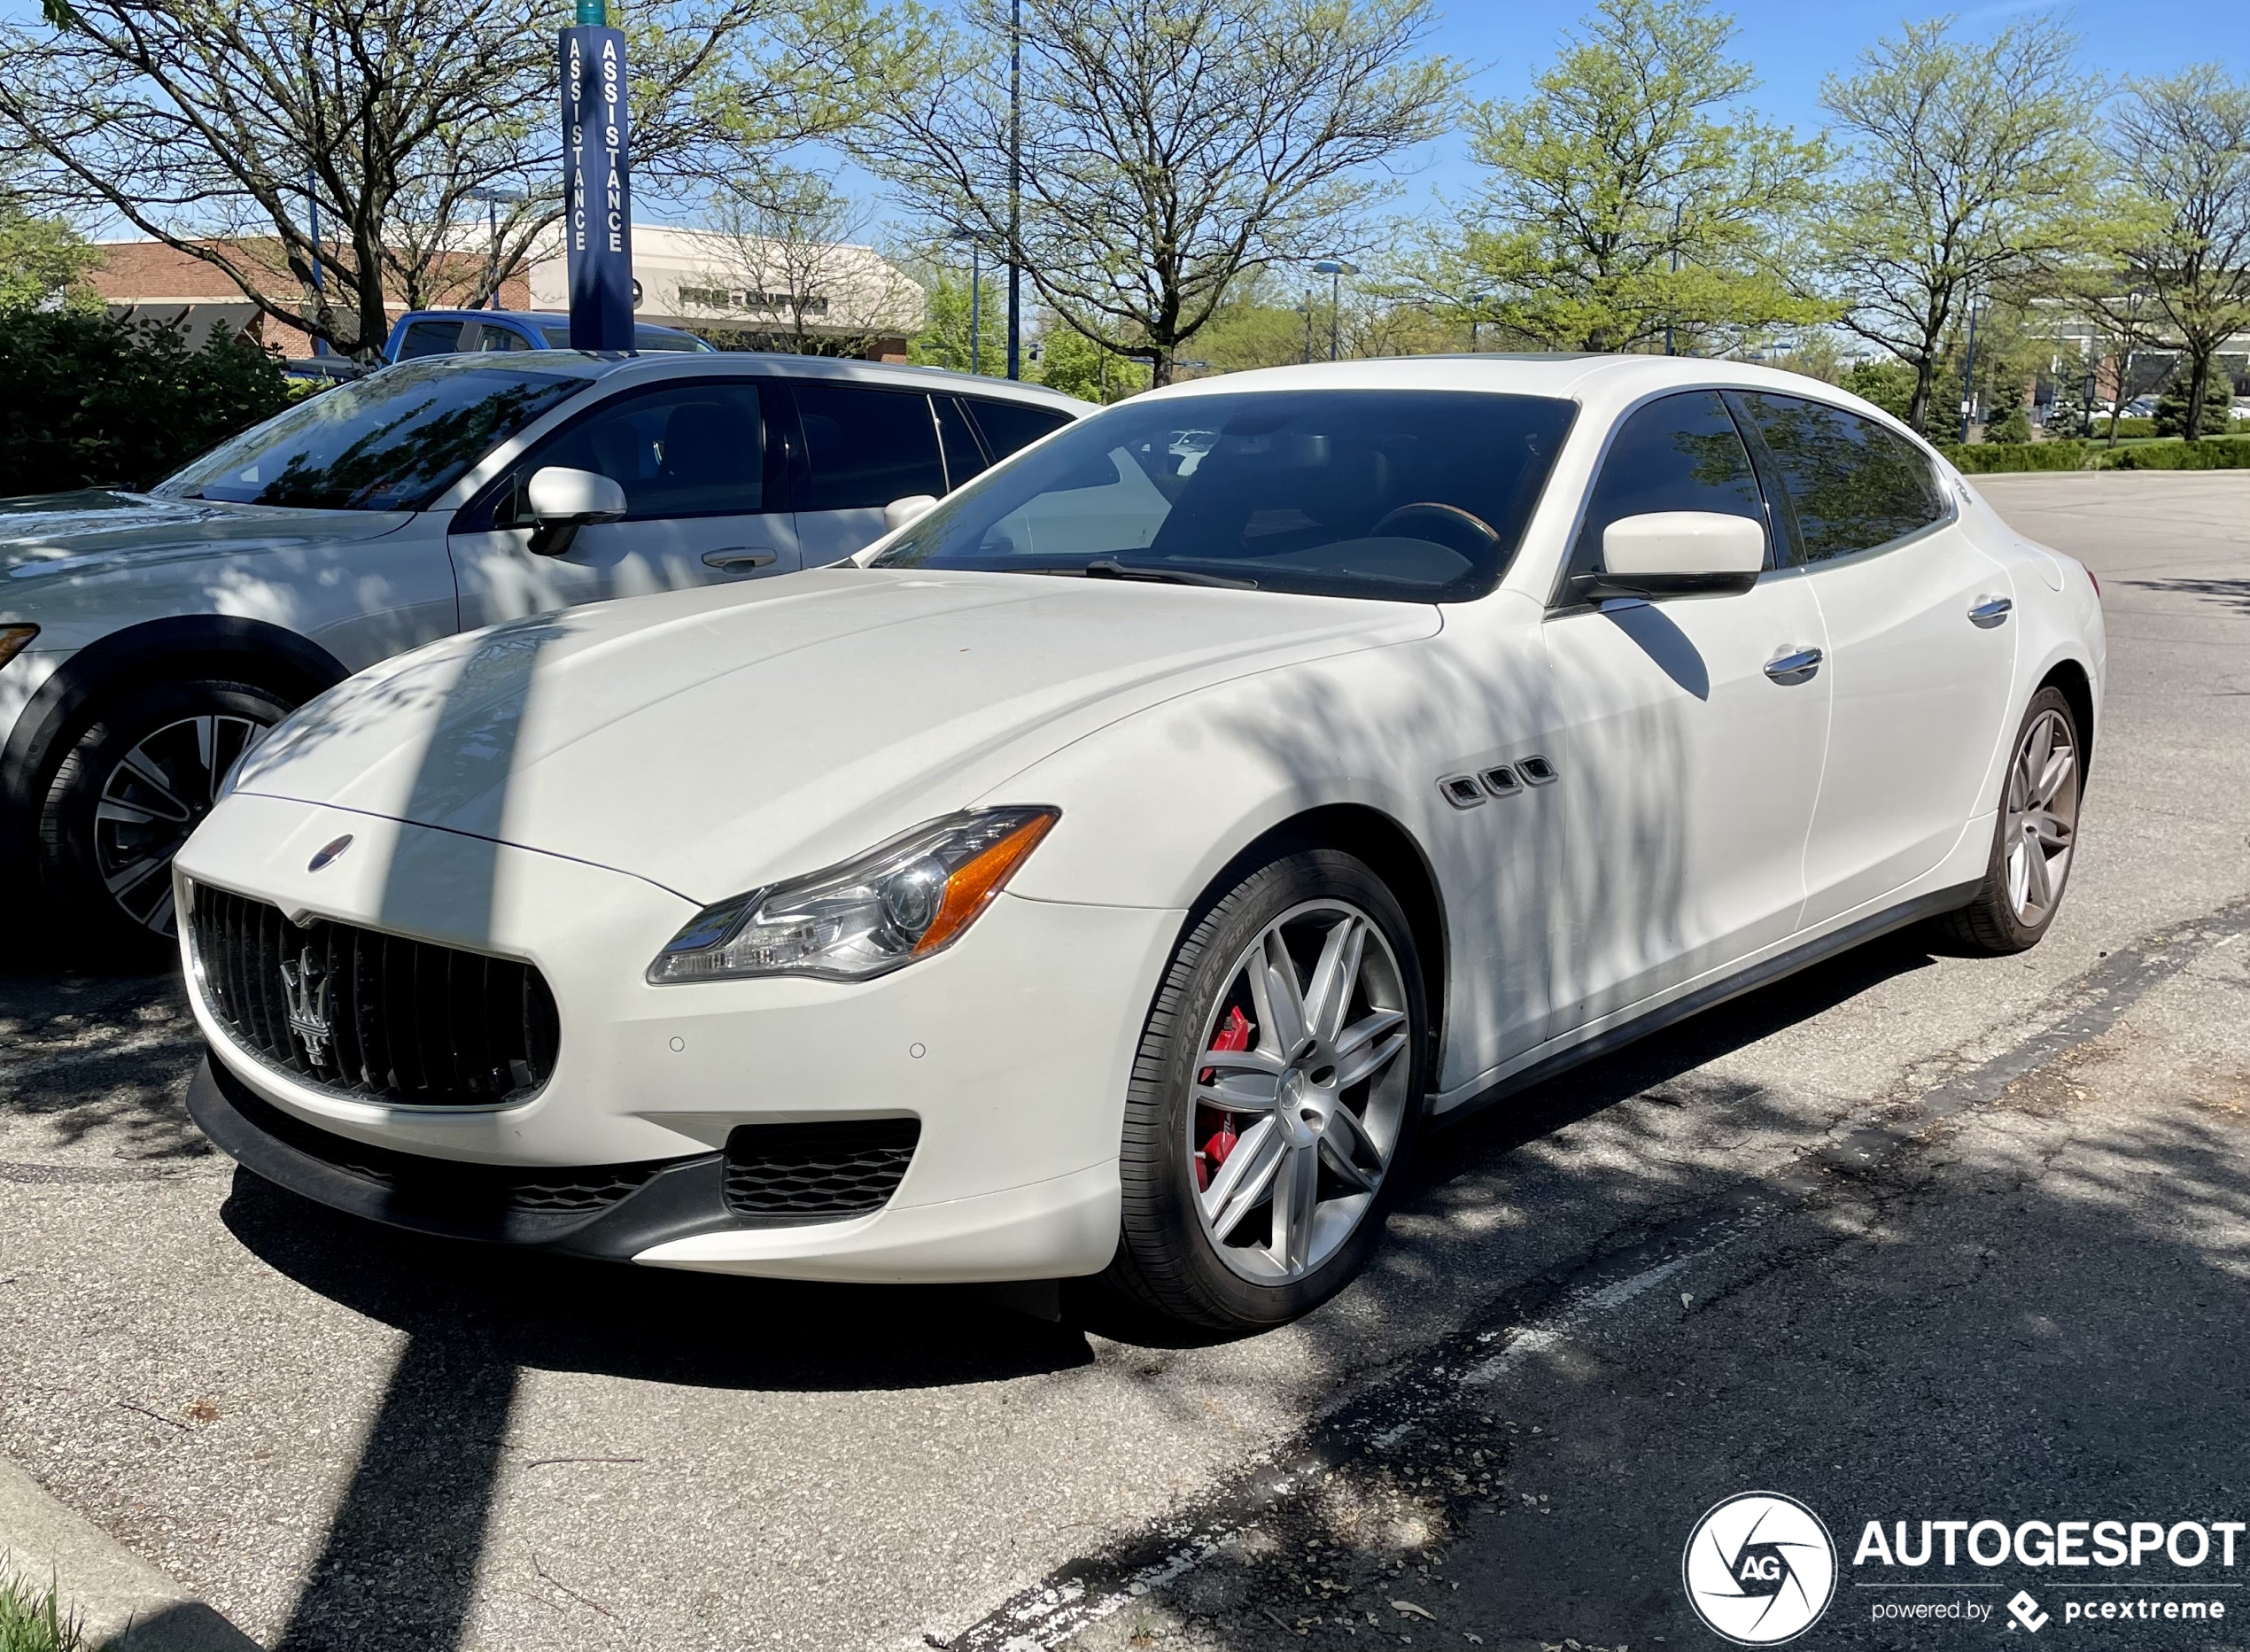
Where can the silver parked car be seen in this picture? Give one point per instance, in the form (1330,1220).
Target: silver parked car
(147,638)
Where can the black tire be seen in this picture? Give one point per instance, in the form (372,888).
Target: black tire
(1994,925)
(1168,1260)
(83,851)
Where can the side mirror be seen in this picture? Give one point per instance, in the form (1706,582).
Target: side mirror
(914,507)
(1678,553)
(563,501)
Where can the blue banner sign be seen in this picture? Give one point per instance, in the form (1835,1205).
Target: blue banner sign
(597,227)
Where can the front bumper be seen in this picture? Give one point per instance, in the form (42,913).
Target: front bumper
(1011,1049)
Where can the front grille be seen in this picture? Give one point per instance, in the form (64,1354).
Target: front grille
(371,1015)
(778,1174)
(449,1185)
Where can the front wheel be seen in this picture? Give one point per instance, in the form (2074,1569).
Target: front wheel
(129,792)
(1276,1095)
(2034,839)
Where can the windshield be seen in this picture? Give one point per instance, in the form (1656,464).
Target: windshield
(1406,495)
(390,441)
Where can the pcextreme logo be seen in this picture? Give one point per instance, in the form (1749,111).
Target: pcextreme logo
(1759,1569)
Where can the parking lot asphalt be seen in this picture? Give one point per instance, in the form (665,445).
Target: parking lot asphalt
(1907,1236)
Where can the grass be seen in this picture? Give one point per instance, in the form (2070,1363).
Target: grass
(31,1621)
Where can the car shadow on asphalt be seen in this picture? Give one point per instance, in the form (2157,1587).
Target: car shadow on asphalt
(399,1564)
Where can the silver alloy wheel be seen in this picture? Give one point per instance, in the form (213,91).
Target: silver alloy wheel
(155,794)
(1316,1101)
(2042,825)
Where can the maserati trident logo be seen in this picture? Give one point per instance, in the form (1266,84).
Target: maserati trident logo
(306,985)
(329,852)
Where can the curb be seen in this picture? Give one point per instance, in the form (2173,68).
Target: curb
(123,1603)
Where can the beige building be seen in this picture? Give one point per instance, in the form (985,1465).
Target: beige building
(763,294)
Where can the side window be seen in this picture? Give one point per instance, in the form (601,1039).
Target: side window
(865,447)
(430,339)
(496,337)
(1680,453)
(1010,425)
(687,450)
(1853,485)
(964,458)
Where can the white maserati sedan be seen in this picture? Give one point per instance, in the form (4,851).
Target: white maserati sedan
(1111,869)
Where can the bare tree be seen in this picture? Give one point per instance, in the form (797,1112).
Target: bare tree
(1971,175)
(785,260)
(1168,147)
(2181,146)
(217,126)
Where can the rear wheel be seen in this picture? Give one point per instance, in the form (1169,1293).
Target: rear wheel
(1277,1096)
(129,792)
(2034,839)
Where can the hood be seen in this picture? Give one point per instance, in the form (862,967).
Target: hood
(710,740)
(100,529)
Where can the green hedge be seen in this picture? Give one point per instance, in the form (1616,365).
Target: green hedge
(86,401)
(1980,458)
(2212,453)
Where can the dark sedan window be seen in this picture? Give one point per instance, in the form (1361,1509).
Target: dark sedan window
(1011,425)
(1853,484)
(390,441)
(1402,495)
(694,449)
(1679,453)
(866,447)
(430,339)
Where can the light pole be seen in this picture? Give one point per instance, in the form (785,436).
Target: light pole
(1678,206)
(976,300)
(320,287)
(1015,187)
(1477,302)
(1335,269)
(1968,373)
(492,198)
(1308,325)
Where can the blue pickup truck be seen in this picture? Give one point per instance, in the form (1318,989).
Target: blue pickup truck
(449,332)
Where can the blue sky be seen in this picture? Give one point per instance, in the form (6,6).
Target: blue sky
(1793,43)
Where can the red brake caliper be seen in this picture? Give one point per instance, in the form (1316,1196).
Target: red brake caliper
(1234,1034)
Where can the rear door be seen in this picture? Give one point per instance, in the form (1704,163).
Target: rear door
(861,446)
(702,488)
(1922,646)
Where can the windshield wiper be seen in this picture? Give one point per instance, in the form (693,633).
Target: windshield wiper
(1110,568)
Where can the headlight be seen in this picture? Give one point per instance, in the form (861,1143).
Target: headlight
(910,897)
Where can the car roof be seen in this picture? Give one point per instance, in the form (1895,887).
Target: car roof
(667,364)
(536,318)
(1607,385)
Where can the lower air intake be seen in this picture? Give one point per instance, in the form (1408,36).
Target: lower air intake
(778,1174)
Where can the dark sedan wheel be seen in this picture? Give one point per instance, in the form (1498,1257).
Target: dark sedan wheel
(129,792)
(1277,1097)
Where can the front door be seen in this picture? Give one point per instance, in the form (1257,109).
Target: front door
(1690,736)
(1921,644)
(691,458)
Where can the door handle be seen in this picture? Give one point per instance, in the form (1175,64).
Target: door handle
(1993,610)
(737,556)
(1796,666)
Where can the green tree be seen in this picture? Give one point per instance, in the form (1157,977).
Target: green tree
(1890,384)
(2217,404)
(1077,365)
(2181,148)
(93,402)
(1628,193)
(41,259)
(1167,148)
(1969,175)
(945,339)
